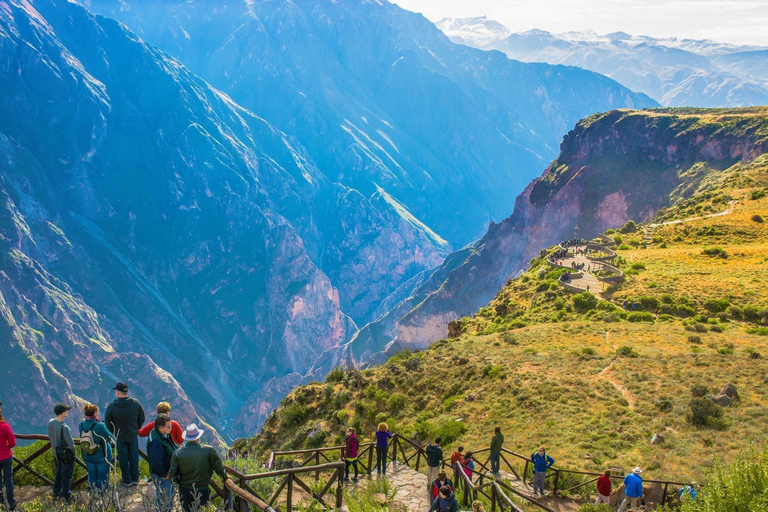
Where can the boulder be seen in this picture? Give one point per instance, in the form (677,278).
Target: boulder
(730,391)
(722,400)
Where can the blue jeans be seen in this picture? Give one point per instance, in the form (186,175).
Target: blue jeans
(98,475)
(495,462)
(538,481)
(6,472)
(62,482)
(128,459)
(164,491)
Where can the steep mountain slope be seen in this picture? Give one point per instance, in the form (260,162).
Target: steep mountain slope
(153,230)
(612,167)
(593,380)
(382,100)
(676,72)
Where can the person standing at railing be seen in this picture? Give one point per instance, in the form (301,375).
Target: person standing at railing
(434,459)
(383,435)
(441,481)
(633,490)
(160,450)
(541,462)
(351,447)
(7,442)
(63,447)
(496,442)
(604,488)
(124,418)
(192,467)
(96,448)
(468,465)
(176,430)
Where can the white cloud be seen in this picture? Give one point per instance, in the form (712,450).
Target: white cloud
(732,21)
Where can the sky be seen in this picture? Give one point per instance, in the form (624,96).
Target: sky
(730,21)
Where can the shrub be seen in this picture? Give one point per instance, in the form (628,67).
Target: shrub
(640,316)
(584,301)
(335,375)
(626,351)
(715,251)
(623,247)
(716,305)
(735,312)
(492,371)
(726,350)
(667,299)
(685,310)
(604,305)
(638,266)
(628,227)
(693,338)
(451,431)
(648,303)
(757,194)
(697,327)
(664,404)
(396,402)
(716,328)
(699,390)
(703,411)
(761,331)
(757,218)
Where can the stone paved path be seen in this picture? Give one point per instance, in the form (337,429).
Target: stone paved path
(411,486)
(587,278)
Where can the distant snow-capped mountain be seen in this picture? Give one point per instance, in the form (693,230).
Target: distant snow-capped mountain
(676,72)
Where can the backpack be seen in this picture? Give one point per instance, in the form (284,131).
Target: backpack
(88,442)
(63,454)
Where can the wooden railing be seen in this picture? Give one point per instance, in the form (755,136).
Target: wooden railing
(237,492)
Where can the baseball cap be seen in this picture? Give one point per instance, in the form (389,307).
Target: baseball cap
(121,387)
(60,408)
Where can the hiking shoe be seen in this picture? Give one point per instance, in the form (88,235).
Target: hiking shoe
(354,479)
(346,479)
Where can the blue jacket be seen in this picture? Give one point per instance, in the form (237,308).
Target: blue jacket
(445,504)
(541,462)
(633,486)
(103,435)
(160,450)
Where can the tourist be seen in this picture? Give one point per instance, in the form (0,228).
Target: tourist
(383,435)
(604,488)
(688,492)
(468,465)
(160,448)
(456,457)
(95,448)
(434,459)
(351,447)
(445,501)
(496,441)
(192,467)
(477,506)
(541,462)
(7,442)
(439,482)
(176,430)
(124,418)
(63,446)
(633,490)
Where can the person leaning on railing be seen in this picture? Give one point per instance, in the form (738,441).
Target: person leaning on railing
(7,442)
(192,467)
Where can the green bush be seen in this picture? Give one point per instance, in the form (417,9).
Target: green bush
(396,402)
(451,431)
(685,310)
(699,390)
(704,412)
(628,227)
(604,305)
(640,316)
(715,251)
(735,312)
(716,305)
(693,338)
(761,331)
(626,351)
(758,218)
(335,375)
(584,301)
(638,266)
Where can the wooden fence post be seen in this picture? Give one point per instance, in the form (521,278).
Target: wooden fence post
(664,496)
(339,489)
(525,471)
(493,499)
(289,497)
(557,479)
(370,459)
(317,463)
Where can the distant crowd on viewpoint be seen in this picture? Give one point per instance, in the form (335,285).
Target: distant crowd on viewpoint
(179,463)
(177,459)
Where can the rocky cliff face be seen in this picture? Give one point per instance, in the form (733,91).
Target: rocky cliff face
(612,167)
(154,231)
(382,100)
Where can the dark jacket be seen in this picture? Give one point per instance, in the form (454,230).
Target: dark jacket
(102,435)
(124,418)
(160,450)
(351,446)
(445,504)
(434,455)
(541,462)
(193,465)
(437,484)
(496,442)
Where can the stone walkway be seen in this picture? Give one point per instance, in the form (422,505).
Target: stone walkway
(411,486)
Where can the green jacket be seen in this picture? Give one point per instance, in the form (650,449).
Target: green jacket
(496,442)
(193,465)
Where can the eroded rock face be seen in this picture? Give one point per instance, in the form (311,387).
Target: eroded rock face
(153,231)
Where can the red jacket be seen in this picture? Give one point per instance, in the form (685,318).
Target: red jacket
(175,431)
(7,441)
(351,447)
(604,485)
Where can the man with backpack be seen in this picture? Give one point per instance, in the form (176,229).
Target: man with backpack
(160,449)
(434,459)
(124,418)
(541,462)
(96,448)
(63,446)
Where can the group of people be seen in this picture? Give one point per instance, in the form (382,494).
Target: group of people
(177,459)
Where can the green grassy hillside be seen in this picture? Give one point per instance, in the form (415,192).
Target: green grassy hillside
(586,377)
